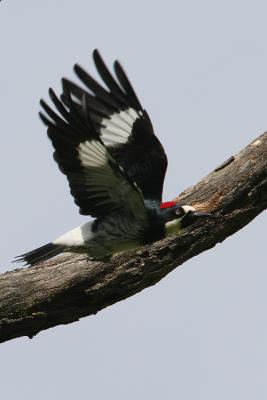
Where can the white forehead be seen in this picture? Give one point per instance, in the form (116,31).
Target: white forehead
(188,208)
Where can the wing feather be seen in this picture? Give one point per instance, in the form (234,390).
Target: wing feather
(98,184)
(121,123)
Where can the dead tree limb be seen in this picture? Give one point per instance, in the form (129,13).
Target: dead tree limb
(67,287)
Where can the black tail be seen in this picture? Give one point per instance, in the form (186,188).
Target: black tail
(43,253)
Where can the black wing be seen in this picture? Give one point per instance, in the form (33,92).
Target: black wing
(122,124)
(97,182)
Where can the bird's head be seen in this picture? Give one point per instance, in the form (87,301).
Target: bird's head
(176,216)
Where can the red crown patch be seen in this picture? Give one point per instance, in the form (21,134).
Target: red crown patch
(168,204)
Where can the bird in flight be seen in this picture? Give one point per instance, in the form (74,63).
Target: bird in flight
(115,165)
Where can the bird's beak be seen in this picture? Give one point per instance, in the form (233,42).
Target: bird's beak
(197,214)
(193,216)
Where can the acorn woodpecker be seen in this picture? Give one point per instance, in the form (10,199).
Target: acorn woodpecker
(115,165)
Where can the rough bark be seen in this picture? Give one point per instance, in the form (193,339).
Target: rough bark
(68,287)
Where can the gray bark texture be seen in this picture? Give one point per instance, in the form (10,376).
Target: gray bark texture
(67,287)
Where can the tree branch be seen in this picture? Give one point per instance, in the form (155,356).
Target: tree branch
(67,287)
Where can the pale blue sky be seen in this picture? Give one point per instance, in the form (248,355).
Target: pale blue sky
(200,70)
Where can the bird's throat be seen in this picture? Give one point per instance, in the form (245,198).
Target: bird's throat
(173,227)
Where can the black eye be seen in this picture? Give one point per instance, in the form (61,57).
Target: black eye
(180,212)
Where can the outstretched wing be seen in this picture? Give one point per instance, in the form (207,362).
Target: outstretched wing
(97,182)
(122,124)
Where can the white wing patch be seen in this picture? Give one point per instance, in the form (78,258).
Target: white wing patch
(92,154)
(118,128)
